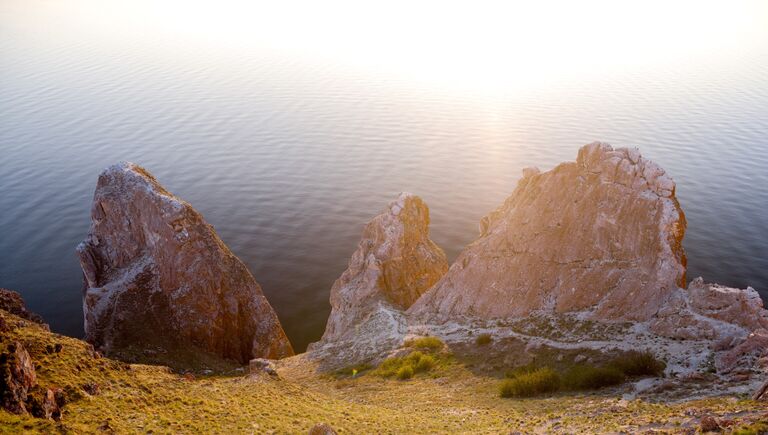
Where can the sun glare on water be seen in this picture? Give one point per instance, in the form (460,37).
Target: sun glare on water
(480,43)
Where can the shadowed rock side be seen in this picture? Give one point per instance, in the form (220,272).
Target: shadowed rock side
(599,235)
(394,264)
(157,274)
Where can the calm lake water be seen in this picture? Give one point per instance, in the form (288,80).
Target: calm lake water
(288,140)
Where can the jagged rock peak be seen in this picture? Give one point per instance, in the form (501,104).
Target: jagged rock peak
(409,260)
(395,262)
(601,235)
(156,274)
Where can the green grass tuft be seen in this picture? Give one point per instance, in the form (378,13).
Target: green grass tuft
(585,377)
(424,364)
(521,370)
(634,363)
(530,380)
(431,343)
(541,381)
(389,367)
(406,366)
(405,372)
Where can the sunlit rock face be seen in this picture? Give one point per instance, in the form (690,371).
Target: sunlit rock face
(156,273)
(394,264)
(601,235)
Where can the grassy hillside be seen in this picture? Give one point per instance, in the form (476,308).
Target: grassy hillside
(107,396)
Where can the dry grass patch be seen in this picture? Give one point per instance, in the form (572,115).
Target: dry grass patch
(446,398)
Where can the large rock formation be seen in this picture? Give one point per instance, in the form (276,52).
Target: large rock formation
(156,273)
(395,262)
(599,239)
(600,235)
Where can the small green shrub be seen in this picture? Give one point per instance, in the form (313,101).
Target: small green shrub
(389,367)
(419,362)
(634,363)
(521,370)
(483,339)
(529,380)
(405,372)
(431,343)
(415,362)
(413,358)
(541,381)
(584,377)
(424,364)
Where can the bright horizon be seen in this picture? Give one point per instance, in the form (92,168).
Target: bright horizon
(483,46)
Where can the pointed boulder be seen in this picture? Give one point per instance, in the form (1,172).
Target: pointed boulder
(394,264)
(156,274)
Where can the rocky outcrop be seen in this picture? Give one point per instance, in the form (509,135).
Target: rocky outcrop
(590,242)
(156,273)
(601,235)
(743,351)
(12,302)
(394,264)
(261,365)
(19,391)
(17,378)
(761,393)
(42,403)
(322,429)
(712,312)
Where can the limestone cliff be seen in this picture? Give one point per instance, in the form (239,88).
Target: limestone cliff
(600,235)
(156,273)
